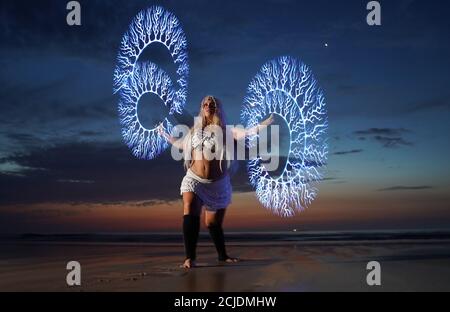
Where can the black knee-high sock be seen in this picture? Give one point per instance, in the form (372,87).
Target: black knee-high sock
(218,238)
(191,229)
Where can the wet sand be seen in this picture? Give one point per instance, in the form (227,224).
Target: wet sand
(319,266)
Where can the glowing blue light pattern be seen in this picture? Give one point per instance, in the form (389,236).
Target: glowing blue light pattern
(286,87)
(132,78)
(146,78)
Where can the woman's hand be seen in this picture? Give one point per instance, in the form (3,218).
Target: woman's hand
(161,130)
(267,121)
(176,142)
(240,134)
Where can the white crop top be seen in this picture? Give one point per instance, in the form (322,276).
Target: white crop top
(203,139)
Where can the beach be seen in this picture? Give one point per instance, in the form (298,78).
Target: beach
(407,264)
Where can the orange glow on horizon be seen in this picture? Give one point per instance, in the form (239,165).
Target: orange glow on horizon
(244,214)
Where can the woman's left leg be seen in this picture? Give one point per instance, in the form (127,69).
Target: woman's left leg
(214,221)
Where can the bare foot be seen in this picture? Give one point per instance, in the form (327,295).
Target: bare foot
(188,263)
(230,260)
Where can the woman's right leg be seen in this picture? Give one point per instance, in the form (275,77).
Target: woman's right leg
(192,207)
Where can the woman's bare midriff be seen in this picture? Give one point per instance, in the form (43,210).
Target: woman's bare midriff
(207,169)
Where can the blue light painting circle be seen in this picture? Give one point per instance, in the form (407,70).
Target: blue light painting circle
(133,78)
(287,88)
(146,78)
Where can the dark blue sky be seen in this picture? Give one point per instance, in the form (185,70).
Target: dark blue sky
(386,89)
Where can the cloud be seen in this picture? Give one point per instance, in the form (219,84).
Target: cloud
(406,188)
(88,172)
(8,167)
(382,131)
(97,172)
(89,133)
(150,203)
(104,23)
(74,181)
(19,140)
(392,142)
(387,137)
(355,151)
(431,104)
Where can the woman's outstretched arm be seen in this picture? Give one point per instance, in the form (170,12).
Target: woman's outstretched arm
(178,143)
(239,133)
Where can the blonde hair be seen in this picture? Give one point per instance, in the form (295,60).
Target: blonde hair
(217,120)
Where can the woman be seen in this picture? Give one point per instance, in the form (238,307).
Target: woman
(207,182)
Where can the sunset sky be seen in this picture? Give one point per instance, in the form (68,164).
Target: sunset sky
(64,166)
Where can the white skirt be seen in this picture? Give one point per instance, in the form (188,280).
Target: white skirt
(215,194)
